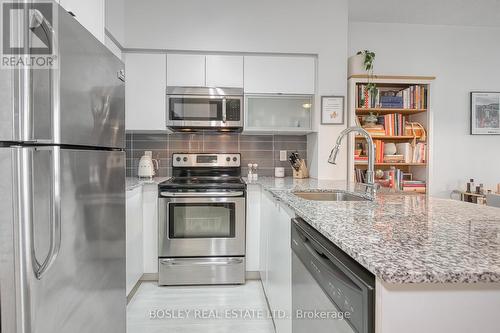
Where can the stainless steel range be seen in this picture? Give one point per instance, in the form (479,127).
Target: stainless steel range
(202,221)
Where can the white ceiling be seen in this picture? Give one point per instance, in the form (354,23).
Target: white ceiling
(434,12)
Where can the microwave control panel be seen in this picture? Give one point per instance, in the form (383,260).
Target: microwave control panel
(233,109)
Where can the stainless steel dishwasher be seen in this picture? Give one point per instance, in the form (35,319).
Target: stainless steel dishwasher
(331,292)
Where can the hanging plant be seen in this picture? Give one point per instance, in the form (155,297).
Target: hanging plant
(369,59)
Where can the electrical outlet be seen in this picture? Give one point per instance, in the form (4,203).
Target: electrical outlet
(283,156)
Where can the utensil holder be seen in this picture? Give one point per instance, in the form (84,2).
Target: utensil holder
(303,171)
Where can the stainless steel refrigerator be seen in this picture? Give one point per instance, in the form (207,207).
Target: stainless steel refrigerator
(62,191)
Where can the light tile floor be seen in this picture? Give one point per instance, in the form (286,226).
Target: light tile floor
(199,306)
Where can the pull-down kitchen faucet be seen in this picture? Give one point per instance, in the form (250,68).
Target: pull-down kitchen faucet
(370,173)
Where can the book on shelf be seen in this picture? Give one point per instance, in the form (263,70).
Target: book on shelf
(411,97)
(394,124)
(420,153)
(379,151)
(394,179)
(373,130)
(358,158)
(394,159)
(405,153)
(419,186)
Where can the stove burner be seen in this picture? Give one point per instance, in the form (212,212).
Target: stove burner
(203,182)
(199,176)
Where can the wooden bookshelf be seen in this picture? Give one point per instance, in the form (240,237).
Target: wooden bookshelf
(391,164)
(396,78)
(388,137)
(382,111)
(419,171)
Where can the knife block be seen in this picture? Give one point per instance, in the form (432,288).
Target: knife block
(303,172)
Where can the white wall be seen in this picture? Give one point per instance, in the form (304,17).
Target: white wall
(463,59)
(115,19)
(113,47)
(283,26)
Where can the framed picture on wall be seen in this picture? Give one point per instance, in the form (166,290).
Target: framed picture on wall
(332,110)
(485,113)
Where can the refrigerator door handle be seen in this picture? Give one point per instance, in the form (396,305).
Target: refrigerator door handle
(55,220)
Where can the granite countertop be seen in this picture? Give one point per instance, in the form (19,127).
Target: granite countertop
(403,238)
(134,182)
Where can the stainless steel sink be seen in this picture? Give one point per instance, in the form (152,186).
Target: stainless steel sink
(330,196)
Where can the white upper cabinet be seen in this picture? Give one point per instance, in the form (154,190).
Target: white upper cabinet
(185,70)
(90,14)
(279,74)
(145,94)
(194,70)
(224,71)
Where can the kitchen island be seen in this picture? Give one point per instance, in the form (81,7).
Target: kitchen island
(436,261)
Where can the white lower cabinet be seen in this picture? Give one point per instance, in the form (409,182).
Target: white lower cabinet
(276,265)
(150,222)
(134,237)
(253,228)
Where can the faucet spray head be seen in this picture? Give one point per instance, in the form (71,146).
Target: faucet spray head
(333,155)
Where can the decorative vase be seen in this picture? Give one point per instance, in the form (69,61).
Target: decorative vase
(390,148)
(356,65)
(370,120)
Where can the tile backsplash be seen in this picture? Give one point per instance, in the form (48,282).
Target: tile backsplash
(261,149)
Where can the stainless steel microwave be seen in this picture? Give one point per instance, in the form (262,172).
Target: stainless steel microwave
(193,108)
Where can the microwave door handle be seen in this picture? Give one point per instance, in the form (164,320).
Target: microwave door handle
(224,111)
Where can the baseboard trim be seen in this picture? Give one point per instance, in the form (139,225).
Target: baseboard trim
(149,277)
(153,277)
(252,275)
(132,293)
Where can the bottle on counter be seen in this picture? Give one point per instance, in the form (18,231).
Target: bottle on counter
(250,172)
(255,175)
(472,186)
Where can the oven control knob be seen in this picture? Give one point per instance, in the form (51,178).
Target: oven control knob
(235,159)
(185,159)
(178,159)
(228,159)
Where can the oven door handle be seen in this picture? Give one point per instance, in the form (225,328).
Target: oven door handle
(202,194)
(187,262)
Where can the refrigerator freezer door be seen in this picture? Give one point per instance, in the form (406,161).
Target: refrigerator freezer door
(84,288)
(91,93)
(80,102)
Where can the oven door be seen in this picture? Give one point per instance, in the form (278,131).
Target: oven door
(201,226)
(204,111)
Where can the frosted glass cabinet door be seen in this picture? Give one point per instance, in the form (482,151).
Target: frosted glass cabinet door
(285,113)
